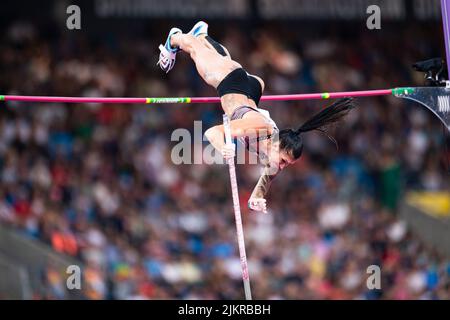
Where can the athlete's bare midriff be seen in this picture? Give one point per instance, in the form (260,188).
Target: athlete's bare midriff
(232,101)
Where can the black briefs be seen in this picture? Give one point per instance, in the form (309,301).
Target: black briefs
(238,81)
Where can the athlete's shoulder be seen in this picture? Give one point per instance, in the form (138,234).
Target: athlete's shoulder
(266,114)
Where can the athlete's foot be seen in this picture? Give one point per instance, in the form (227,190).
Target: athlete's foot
(168,54)
(200,28)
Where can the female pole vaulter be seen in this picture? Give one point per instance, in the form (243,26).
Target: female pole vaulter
(239,94)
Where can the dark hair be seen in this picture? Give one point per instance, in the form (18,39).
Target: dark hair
(291,140)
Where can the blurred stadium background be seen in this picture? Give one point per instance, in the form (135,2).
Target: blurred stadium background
(93,185)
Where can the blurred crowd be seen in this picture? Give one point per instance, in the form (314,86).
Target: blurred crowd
(96,182)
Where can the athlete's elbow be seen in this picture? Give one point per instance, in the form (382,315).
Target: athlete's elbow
(211,133)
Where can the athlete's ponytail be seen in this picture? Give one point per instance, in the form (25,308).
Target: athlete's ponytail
(292,141)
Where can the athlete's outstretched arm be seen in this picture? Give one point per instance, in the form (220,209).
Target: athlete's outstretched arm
(263,185)
(239,128)
(257,199)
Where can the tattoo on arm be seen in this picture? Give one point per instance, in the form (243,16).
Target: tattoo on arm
(263,185)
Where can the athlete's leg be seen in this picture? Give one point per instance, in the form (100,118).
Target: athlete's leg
(211,66)
(200,30)
(222,50)
(214,45)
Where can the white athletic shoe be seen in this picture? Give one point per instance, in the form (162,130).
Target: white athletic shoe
(199,28)
(167,55)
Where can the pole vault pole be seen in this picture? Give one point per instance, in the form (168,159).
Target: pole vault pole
(237,213)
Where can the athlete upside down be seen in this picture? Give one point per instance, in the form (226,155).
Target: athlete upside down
(239,94)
